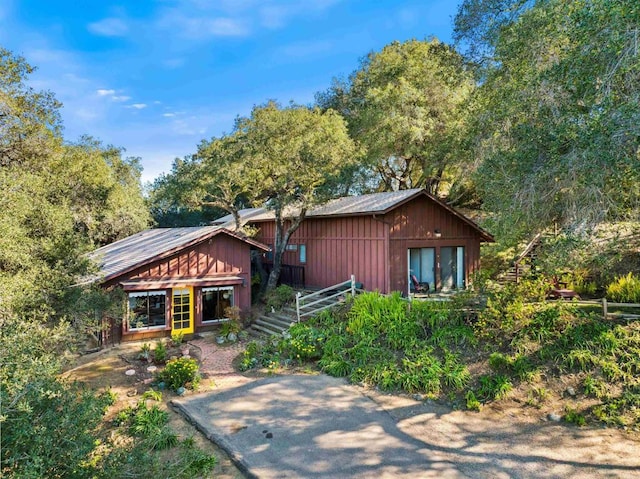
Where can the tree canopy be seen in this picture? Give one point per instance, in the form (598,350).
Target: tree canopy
(406,106)
(556,126)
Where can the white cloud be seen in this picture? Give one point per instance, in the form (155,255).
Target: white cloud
(305,49)
(137,106)
(226,27)
(120,98)
(105,92)
(109,27)
(111,94)
(168,115)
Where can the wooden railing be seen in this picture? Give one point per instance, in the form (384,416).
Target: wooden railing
(291,275)
(326,298)
(606,305)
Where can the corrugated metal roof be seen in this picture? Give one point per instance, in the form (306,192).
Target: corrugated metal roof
(136,249)
(347,205)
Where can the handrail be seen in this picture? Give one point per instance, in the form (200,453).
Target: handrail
(528,248)
(348,286)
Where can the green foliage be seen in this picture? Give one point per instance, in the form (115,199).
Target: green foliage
(279,297)
(553,127)
(625,289)
(472,402)
(494,387)
(181,372)
(574,417)
(177,338)
(160,352)
(152,394)
(405,105)
(382,341)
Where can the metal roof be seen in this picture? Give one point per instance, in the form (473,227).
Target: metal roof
(347,205)
(128,253)
(350,206)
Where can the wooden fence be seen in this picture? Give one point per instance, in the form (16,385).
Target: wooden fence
(606,305)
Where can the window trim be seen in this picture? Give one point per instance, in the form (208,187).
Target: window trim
(146,294)
(231,289)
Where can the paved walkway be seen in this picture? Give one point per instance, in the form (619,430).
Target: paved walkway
(216,360)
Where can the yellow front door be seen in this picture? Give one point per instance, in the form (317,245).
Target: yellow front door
(182,308)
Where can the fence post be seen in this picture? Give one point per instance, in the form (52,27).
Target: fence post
(353,285)
(604,307)
(298,294)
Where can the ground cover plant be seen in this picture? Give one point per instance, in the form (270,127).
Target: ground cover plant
(382,341)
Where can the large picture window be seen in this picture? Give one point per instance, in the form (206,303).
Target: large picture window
(214,303)
(147,310)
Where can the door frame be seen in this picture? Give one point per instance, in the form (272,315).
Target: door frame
(192,318)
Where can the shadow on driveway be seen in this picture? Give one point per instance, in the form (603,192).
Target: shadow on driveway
(310,427)
(320,427)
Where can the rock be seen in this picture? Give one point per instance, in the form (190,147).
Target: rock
(180,391)
(232,337)
(555,417)
(220,339)
(130,372)
(147,381)
(571,392)
(161,385)
(132,393)
(418,397)
(152,369)
(186,356)
(269,435)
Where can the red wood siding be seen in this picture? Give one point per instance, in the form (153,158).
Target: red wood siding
(210,261)
(414,225)
(337,248)
(375,248)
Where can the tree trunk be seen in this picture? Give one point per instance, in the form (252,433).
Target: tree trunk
(280,242)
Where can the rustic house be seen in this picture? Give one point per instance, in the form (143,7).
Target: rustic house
(384,239)
(178,279)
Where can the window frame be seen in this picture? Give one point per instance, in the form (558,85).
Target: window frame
(207,289)
(146,294)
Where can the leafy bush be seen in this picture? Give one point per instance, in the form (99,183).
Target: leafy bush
(574,417)
(177,338)
(494,387)
(280,297)
(625,289)
(472,402)
(181,372)
(160,352)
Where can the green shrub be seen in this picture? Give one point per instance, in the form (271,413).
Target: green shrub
(472,402)
(494,387)
(181,372)
(160,353)
(279,297)
(594,387)
(177,338)
(304,342)
(625,289)
(574,417)
(148,420)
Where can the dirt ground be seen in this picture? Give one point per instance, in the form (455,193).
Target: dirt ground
(435,424)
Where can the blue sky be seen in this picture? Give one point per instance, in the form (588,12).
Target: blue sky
(156,77)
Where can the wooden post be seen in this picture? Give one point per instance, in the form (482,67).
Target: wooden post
(604,307)
(353,285)
(298,294)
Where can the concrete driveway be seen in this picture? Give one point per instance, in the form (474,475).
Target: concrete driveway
(319,427)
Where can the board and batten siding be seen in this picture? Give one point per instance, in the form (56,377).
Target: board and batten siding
(211,260)
(338,247)
(413,225)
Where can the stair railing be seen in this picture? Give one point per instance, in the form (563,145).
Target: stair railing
(332,292)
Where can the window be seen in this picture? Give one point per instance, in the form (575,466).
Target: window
(269,254)
(214,303)
(147,310)
(303,253)
(292,247)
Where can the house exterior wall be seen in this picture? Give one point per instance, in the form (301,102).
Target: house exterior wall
(414,225)
(218,261)
(338,247)
(375,247)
